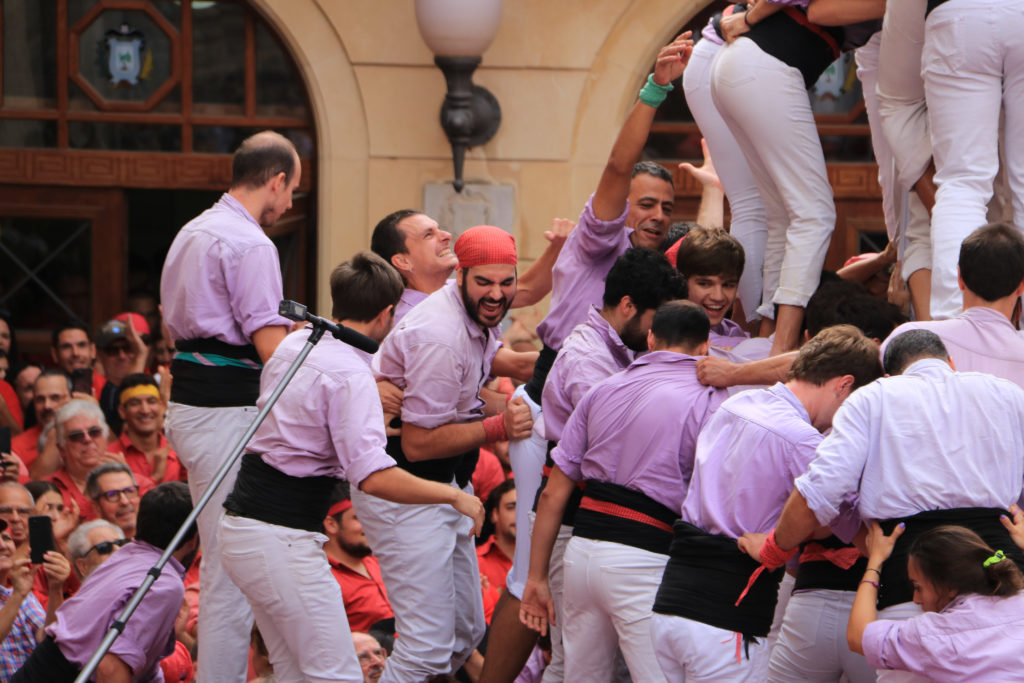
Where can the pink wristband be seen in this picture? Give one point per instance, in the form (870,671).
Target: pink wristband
(772,556)
(494,428)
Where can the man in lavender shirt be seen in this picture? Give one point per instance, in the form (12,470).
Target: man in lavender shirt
(440,356)
(747,457)
(327,425)
(991,275)
(221,286)
(83,620)
(632,439)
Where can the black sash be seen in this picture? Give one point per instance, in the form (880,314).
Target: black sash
(459,467)
(209,386)
(824,575)
(535,387)
(46,664)
(269,495)
(571,505)
(705,576)
(618,526)
(895,586)
(792,39)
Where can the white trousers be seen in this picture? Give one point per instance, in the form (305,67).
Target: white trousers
(203,438)
(690,651)
(296,600)
(527,457)
(609,592)
(900,612)
(748,224)
(812,643)
(973,63)
(555,670)
(765,104)
(428,561)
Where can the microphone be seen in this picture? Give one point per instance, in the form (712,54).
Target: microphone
(293,310)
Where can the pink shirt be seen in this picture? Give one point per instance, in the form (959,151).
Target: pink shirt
(410,299)
(590,354)
(328,421)
(440,358)
(222,277)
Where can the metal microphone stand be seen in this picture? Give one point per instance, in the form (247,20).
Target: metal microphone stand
(292,311)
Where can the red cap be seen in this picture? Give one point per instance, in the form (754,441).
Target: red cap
(140,324)
(485,245)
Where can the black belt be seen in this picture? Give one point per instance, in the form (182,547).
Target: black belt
(535,387)
(459,467)
(793,40)
(46,664)
(267,494)
(609,512)
(822,574)
(571,505)
(215,386)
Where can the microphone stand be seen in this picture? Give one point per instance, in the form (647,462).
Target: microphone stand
(292,311)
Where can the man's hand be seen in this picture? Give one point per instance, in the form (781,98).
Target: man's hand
(57,570)
(137,347)
(1015,525)
(715,372)
(67,520)
(879,545)
(469,505)
(734,26)
(390,397)
(21,576)
(751,544)
(559,232)
(160,463)
(672,59)
(10,469)
(518,419)
(537,610)
(704,174)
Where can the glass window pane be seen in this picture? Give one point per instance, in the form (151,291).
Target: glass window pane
(28,134)
(837,90)
(279,87)
(226,139)
(123,136)
(29,55)
(218,53)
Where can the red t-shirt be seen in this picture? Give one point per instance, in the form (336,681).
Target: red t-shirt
(26,445)
(366,599)
(10,397)
(139,463)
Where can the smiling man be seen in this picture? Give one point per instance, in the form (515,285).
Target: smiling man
(142,443)
(113,491)
(712,260)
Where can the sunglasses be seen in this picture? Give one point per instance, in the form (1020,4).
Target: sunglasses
(78,435)
(107,547)
(114,495)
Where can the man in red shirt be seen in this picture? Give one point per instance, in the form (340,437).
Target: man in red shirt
(353,565)
(142,443)
(51,390)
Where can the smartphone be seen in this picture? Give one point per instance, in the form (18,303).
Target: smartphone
(40,537)
(5,439)
(81,380)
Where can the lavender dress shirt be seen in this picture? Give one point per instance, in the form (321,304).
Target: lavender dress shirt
(928,439)
(975,638)
(440,358)
(222,277)
(639,427)
(328,422)
(590,354)
(727,334)
(748,455)
(978,340)
(83,620)
(577,280)
(410,299)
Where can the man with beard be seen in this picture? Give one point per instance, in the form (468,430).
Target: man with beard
(220,288)
(355,568)
(115,495)
(440,356)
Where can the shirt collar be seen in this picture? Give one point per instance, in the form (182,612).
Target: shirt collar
(611,338)
(663,358)
(928,367)
(235,206)
(780,390)
(987,315)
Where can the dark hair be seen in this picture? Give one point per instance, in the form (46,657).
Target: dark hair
(387,239)
(654,169)
(260,157)
(162,511)
(645,276)
(710,251)
(136,379)
(676,232)
(842,302)
(56,372)
(340,492)
(836,351)
(13,354)
(40,488)
(69,325)
(92,482)
(910,346)
(992,261)
(363,287)
(680,323)
(491,504)
(953,557)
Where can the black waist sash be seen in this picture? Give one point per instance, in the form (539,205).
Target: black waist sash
(47,664)
(705,576)
(269,495)
(792,39)
(895,585)
(215,386)
(571,505)
(824,575)
(535,387)
(609,512)
(460,467)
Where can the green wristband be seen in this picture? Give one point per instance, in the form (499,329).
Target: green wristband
(653,94)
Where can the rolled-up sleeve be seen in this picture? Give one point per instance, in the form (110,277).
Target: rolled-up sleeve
(357,428)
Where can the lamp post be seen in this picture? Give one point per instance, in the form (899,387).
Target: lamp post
(458,32)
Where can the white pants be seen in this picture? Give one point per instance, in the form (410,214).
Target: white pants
(296,600)
(555,670)
(812,644)
(765,104)
(748,224)
(691,650)
(527,457)
(428,561)
(203,439)
(900,612)
(785,592)
(609,592)
(973,63)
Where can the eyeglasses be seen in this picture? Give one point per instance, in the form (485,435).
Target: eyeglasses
(8,510)
(107,547)
(117,350)
(113,495)
(78,435)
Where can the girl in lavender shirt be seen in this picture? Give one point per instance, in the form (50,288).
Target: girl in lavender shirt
(971,628)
